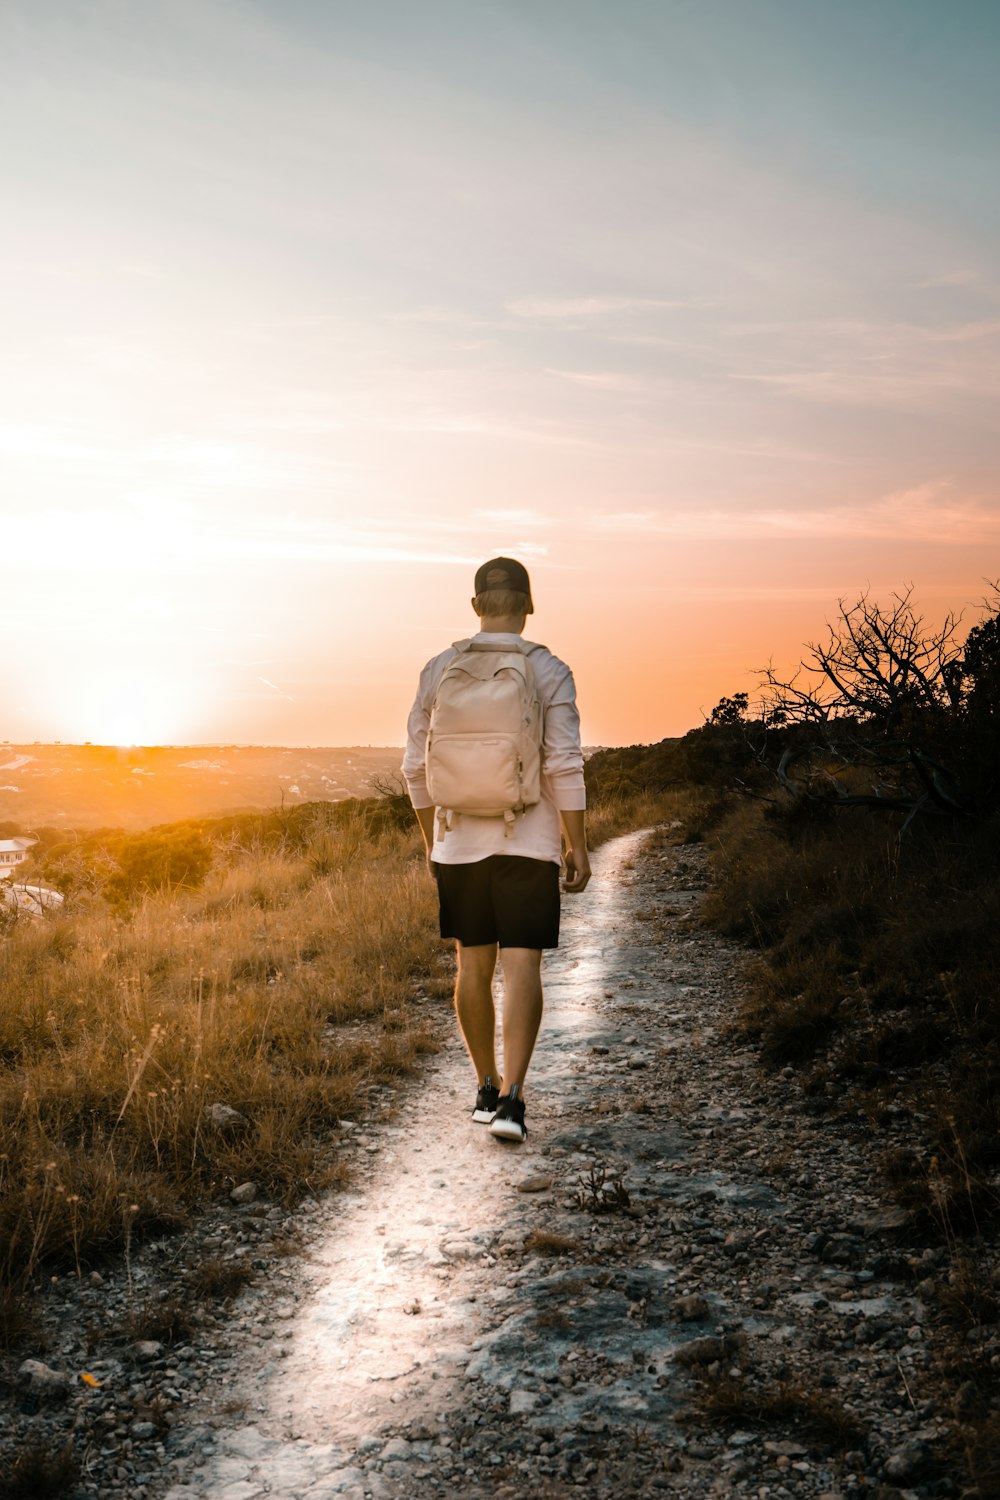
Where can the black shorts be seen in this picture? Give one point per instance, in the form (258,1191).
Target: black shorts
(505,898)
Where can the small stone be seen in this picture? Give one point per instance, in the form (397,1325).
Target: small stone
(225,1118)
(537,1184)
(691,1309)
(882,1221)
(96,1279)
(906,1462)
(42,1379)
(245,1193)
(142,1430)
(786,1448)
(708,1350)
(397,1448)
(146,1350)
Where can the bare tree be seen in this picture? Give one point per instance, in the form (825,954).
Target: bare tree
(869,717)
(388,784)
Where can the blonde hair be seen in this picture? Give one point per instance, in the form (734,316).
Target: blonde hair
(496,602)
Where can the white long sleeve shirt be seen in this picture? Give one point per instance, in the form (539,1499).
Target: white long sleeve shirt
(536,833)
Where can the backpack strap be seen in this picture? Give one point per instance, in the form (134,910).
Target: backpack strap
(444,817)
(525,647)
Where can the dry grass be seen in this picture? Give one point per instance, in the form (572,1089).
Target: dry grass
(877,966)
(284,989)
(545,1242)
(172,1321)
(981,1445)
(876,974)
(617,813)
(217,1277)
(966,1300)
(41,1473)
(603,1192)
(809,1411)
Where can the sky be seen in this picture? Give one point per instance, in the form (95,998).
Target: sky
(310,307)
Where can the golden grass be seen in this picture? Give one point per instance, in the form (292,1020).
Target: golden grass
(623,812)
(284,989)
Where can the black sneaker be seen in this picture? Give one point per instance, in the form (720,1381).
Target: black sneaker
(486,1102)
(508,1122)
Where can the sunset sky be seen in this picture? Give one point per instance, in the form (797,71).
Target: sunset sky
(310,306)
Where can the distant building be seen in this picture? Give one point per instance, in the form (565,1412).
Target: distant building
(12,853)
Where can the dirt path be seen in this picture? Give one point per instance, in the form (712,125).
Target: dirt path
(530,1320)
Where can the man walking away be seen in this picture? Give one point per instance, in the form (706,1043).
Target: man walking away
(494,769)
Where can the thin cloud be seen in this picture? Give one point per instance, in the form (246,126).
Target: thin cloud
(446,317)
(529,518)
(559,309)
(960,276)
(872,382)
(925,513)
(853,362)
(963,333)
(274,686)
(604,380)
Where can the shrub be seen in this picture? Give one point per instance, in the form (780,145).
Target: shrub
(163,860)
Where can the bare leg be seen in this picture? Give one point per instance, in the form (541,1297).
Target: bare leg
(474,1006)
(522,1011)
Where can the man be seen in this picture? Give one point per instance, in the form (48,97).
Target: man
(497,876)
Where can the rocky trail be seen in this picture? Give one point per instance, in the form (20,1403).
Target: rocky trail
(684,1283)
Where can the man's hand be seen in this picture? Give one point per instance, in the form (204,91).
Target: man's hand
(577,871)
(425,817)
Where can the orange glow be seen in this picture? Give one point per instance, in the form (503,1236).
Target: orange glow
(279,372)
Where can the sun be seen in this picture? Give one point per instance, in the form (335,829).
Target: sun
(125,733)
(127,708)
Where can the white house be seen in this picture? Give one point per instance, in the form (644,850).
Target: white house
(12,853)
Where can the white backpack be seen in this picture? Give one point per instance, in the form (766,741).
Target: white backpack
(484,742)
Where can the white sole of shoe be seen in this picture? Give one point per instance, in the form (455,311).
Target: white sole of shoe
(483,1116)
(508,1130)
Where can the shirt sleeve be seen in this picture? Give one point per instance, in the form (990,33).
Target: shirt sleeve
(414,758)
(562,754)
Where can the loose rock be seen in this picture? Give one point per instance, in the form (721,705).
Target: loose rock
(226,1119)
(42,1379)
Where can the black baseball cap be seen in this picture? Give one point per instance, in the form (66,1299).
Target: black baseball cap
(504,573)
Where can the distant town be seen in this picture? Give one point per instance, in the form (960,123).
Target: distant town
(108,786)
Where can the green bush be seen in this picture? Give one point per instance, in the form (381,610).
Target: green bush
(163,860)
